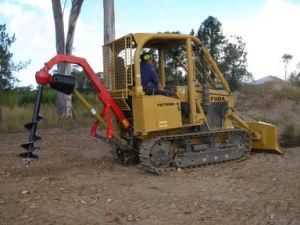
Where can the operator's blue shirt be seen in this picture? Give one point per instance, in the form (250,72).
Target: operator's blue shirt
(148,75)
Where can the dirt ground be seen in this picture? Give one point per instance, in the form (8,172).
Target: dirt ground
(75,181)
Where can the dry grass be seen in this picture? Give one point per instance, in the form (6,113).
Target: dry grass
(288,91)
(290,136)
(12,119)
(275,102)
(273,90)
(16,108)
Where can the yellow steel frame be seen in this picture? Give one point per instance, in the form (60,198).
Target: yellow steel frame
(124,83)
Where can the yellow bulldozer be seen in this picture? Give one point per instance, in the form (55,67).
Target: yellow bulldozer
(192,124)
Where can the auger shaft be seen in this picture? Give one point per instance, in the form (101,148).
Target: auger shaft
(32,126)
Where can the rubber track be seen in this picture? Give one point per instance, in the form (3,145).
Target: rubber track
(146,146)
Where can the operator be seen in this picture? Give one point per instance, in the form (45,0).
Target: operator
(149,77)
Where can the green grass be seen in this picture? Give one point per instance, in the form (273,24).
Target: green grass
(14,98)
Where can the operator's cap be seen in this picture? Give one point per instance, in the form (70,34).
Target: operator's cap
(145,56)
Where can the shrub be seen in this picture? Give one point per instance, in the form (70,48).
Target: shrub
(295,78)
(290,136)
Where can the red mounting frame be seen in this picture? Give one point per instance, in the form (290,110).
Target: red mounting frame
(43,77)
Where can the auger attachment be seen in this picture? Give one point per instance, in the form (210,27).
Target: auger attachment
(66,85)
(32,126)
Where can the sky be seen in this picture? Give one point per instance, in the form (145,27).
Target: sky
(270,28)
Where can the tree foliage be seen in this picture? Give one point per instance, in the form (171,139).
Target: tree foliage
(83,82)
(295,76)
(210,33)
(174,75)
(229,54)
(7,66)
(286,58)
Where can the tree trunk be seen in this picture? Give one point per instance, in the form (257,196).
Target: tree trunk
(109,21)
(75,11)
(59,31)
(109,30)
(64,102)
(1,116)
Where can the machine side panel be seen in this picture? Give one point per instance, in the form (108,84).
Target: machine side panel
(155,113)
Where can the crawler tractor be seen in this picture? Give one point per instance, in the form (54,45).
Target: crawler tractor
(193,124)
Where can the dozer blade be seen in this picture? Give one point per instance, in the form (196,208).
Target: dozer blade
(265,138)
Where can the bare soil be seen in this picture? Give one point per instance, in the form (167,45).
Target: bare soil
(75,181)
